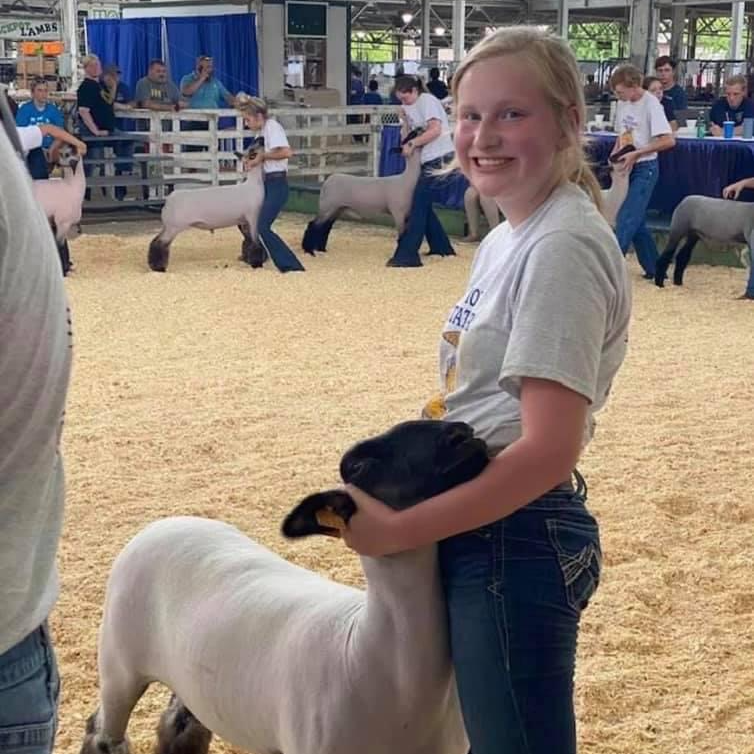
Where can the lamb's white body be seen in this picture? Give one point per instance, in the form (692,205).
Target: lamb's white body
(274,658)
(61,199)
(214,207)
(363,197)
(372,196)
(613,197)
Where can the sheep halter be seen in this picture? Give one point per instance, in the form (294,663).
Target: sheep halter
(331,520)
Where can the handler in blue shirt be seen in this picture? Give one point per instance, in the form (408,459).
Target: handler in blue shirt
(733,106)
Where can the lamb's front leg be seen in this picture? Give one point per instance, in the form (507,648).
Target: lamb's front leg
(683,258)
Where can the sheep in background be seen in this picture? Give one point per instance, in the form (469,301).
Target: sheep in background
(364,196)
(212,208)
(703,217)
(472,202)
(62,199)
(275,658)
(613,197)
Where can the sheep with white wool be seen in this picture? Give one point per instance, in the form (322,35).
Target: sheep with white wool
(62,199)
(212,208)
(365,197)
(703,217)
(274,658)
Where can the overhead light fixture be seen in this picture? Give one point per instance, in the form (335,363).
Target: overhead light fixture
(407,17)
(440,31)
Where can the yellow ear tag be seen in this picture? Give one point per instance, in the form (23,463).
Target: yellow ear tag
(327,518)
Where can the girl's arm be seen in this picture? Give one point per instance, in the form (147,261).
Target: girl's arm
(278,153)
(552,424)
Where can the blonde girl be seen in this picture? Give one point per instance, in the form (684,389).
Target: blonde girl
(528,355)
(274,160)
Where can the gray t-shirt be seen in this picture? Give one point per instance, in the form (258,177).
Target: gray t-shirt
(549,299)
(166,93)
(35,363)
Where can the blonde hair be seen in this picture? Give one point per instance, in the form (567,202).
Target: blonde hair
(737,80)
(248,105)
(555,66)
(627,75)
(88,59)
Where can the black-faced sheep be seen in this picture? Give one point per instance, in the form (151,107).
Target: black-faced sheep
(275,658)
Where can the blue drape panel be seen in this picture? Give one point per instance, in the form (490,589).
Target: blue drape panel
(230,40)
(131,43)
(448,192)
(693,166)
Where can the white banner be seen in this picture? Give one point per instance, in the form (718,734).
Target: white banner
(29,31)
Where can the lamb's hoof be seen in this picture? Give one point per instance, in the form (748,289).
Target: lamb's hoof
(95,743)
(677,281)
(155,268)
(179,732)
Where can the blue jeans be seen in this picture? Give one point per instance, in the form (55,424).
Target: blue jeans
(515,591)
(29,690)
(630,225)
(422,220)
(275,197)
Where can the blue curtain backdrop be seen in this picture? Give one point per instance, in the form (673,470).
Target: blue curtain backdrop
(132,43)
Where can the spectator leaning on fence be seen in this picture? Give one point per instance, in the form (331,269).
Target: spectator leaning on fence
(639,122)
(203,89)
(120,93)
(733,106)
(155,91)
(36,112)
(97,115)
(665,70)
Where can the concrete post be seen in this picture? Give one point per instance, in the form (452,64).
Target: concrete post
(736,30)
(563,18)
(426,29)
(643,36)
(678,20)
(459,29)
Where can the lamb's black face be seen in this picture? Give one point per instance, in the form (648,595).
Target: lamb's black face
(414,460)
(410,463)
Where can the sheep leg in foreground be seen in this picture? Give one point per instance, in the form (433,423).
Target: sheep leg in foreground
(683,258)
(179,732)
(159,254)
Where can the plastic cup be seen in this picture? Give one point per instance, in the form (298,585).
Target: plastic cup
(691,124)
(728,127)
(748,128)
(599,119)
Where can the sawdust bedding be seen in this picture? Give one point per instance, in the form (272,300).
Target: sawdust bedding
(215,390)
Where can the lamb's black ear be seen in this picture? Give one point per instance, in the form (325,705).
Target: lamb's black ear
(321,513)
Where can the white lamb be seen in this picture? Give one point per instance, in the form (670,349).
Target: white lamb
(274,658)
(61,199)
(209,209)
(365,197)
